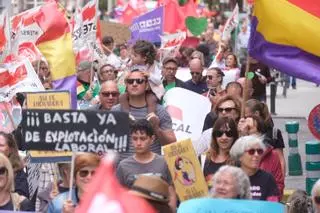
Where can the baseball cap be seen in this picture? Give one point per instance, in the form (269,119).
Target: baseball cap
(169,59)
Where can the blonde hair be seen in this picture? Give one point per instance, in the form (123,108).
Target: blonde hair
(9,187)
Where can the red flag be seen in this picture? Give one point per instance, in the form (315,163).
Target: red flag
(173,17)
(128,14)
(190,9)
(105,194)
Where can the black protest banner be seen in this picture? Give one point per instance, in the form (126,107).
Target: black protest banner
(78,131)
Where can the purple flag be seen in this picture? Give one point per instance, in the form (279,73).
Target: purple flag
(148,26)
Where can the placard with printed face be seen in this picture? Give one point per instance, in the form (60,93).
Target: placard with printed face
(78,131)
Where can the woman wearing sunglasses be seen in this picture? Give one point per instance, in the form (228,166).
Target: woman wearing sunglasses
(9,148)
(84,168)
(248,151)
(8,200)
(224,134)
(270,162)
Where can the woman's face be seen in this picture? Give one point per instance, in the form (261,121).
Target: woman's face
(224,138)
(4,148)
(84,176)
(251,158)
(225,186)
(230,61)
(138,59)
(228,109)
(3,176)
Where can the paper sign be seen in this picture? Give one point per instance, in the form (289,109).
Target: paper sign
(210,205)
(49,156)
(148,26)
(33,177)
(78,131)
(185,170)
(187,122)
(48,100)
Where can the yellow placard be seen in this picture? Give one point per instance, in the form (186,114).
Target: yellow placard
(46,154)
(185,170)
(48,100)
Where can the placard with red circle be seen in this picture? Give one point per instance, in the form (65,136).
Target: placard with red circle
(314,121)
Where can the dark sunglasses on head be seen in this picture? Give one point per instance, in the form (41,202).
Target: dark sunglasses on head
(107,94)
(219,133)
(85,173)
(3,170)
(317,200)
(137,80)
(227,109)
(195,73)
(253,151)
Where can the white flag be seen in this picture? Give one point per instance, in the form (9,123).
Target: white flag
(231,23)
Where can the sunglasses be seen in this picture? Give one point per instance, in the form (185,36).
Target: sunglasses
(253,151)
(85,173)
(219,133)
(195,73)
(137,80)
(3,170)
(317,199)
(107,94)
(227,109)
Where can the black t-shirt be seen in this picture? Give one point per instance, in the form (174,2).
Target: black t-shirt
(209,169)
(263,185)
(276,139)
(25,205)
(209,121)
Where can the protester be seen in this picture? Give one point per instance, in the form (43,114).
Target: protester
(231,70)
(8,147)
(260,109)
(248,151)
(9,200)
(169,70)
(86,90)
(124,55)
(144,161)
(224,134)
(204,49)
(242,41)
(196,84)
(315,194)
(143,59)
(136,83)
(299,202)
(155,190)
(185,56)
(234,89)
(108,96)
(214,79)
(270,161)
(261,78)
(56,187)
(107,72)
(84,168)
(230,182)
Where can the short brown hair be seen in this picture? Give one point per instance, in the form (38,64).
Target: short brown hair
(85,159)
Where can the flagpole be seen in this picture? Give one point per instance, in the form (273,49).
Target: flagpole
(245,89)
(71,175)
(10,115)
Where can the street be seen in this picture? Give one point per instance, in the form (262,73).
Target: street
(296,107)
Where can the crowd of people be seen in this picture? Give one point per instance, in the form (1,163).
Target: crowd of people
(243,149)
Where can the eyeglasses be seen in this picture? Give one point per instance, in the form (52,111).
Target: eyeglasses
(107,94)
(219,133)
(3,170)
(195,73)
(85,173)
(172,69)
(137,80)
(227,109)
(317,199)
(253,151)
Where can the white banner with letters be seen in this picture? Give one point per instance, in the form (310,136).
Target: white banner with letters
(188,111)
